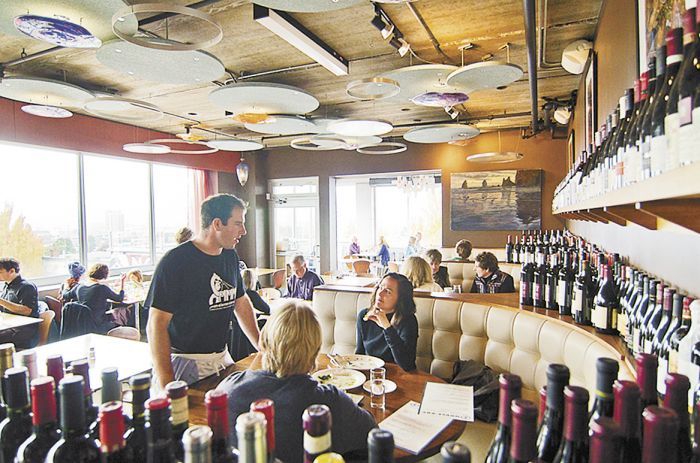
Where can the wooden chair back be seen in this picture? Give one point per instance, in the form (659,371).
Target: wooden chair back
(361,266)
(45,326)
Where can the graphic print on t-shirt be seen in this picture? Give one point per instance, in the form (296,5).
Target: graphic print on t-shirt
(223,294)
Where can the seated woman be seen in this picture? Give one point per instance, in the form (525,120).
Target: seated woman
(440,275)
(96,295)
(489,279)
(76,271)
(289,344)
(388,329)
(463,250)
(250,283)
(420,275)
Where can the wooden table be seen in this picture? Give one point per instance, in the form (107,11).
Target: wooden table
(410,387)
(11,323)
(129,357)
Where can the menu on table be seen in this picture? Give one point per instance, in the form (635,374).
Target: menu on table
(449,400)
(413,432)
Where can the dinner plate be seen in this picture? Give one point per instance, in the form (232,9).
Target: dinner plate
(389,386)
(342,378)
(357,361)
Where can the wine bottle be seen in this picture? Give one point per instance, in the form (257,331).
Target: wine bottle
(82,368)
(517,251)
(665,349)
(689,81)
(678,336)
(606,374)
(648,81)
(633,305)
(580,308)
(647,365)
(653,317)
(510,387)
(632,158)
(676,399)
(686,345)
(627,415)
(551,286)
(217,418)
(111,392)
(540,280)
(75,445)
(527,276)
(54,369)
(317,431)
(177,392)
(197,444)
(252,440)
(640,312)
(574,446)
(542,404)
(523,447)
(665,321)
(7,352)
(159,432)
(618,147)
(454,452)
(17,427)
(604,313)
(660,435)
(549,434)
(509,250)
(605,442)
(27,359)
(45,433)
(565,286)
(267,408)
(380,446)
(113,447)
(136,435)
(696,434)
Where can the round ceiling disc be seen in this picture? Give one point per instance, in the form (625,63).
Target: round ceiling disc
(383,149)
(123,109)
(484,75)
(264,97)
(360,127)
(322,124)
(440,100)
(93,15)
(51,112)
(284,125)
(305,144)
(307,6)
(171,67)
(503,156)
(40,91)
(440,133)
(424,78)
(235,145)
(57,31)
(376,88)
(355,142)
(330,142)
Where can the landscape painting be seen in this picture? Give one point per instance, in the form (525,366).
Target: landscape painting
(496,200)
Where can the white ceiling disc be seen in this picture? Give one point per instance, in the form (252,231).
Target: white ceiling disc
(51,112)
(503,156)
(322,124)
(375,88)
(484,75)
(355,142)
(264,97)
(172,67)
(40,91)
(307,6)
(305,144)
(123,108)
(424,78)
(440,133)
(383,148)
(284,125)
(235,145)
(331,142)
(360,127)
(146,148)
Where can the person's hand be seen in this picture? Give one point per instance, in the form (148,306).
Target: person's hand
(377,316)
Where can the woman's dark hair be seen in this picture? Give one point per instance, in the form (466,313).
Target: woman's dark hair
(487,261)
(405,304)
(98,272)
(463,248)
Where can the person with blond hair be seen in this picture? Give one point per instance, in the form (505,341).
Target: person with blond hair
(419,273)
(183,235)
(289,344)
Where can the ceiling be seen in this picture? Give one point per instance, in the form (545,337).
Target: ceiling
(249,48)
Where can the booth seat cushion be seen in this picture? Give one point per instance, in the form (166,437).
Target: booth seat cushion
(449,253)
(462,273)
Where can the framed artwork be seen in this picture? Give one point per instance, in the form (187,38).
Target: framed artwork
(571,149)
(496,200)
(590,99)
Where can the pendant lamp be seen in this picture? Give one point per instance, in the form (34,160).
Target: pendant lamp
(242,170)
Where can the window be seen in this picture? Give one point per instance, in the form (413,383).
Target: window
(173,190)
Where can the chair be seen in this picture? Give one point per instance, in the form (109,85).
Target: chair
(361,266)
(125,332)
(56,307)
(270,294)
(76,320)
(279,278)
(45,326)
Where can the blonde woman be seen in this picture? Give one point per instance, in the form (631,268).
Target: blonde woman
(289,344)
(419,273)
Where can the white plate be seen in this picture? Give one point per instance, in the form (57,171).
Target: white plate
(389,386)
(357,362)
(342,378)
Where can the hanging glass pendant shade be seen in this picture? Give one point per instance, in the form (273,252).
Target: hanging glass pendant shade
(242,170)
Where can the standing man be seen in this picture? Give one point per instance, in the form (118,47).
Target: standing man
(196,289)
(303,281)
(20,297)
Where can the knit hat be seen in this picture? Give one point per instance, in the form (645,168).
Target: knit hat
(76,270)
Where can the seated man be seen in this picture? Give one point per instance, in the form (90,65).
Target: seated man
(440,275)
(20,297)
(303,281)
(289,344)
(489,279)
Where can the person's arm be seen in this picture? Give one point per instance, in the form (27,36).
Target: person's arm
(350,433)
(359,345)
(246,320)
(159,342)
(402,341)
(289,287)
(475,287)
(15,308)
(508,285)
(258,302)
(111,295)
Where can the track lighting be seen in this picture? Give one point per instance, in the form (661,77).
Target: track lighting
(452,112)
(400,44)
(386,28)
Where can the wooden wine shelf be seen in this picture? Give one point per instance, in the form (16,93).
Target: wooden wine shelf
(673,196)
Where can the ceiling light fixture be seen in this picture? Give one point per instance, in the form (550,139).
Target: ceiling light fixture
(382,22)
(496,156)
(252,118)
(286,27)
(242,171)
(360,127)
(58,31)
(562,115)
(235,144)
(400,44)
(46,111)
(383,148)
(452,112)
(116,107)
(163,141)
(374,88)
(146,148)
(575,55)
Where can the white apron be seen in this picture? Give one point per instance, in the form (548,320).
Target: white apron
(190,368)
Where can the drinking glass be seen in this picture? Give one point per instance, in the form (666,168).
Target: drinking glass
(377,388)
(377,373)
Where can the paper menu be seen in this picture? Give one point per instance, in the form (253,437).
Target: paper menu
(413,432)
(449,400)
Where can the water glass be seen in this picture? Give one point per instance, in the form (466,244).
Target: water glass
(377,373)
(377,397)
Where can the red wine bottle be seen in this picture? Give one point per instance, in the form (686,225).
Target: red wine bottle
(678,336)
(640,312)
(676,399)
(689,82)
(55,370)
(646,378)
(159,432)
(549,434)
(664,323)
(113,447)
(267,408)
(652,320)
(510,389)
(540,280)
(574,447)
(646,134)
(75,444)
(523,447)
(605,441)
(580,302)
(696,434)
(552,278)
(82,368)
(453,452)
(665,349)
(604,313)
(527,279)
(17,427)
(565,286)
(136,435)
(7,352)
(317,431)
(509,250)
(660,435)
(606,374)
(177,392)
(217,418)
(46,432)
(380,446)
(628,416)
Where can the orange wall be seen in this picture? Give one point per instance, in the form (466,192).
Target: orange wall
(90,134)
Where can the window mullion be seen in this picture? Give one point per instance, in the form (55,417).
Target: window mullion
(152,214)
(82,219)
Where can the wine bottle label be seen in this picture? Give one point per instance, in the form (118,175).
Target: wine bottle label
(180,410)
(622,323)
(672,361)
(657,154)
(577,302)
(647,346)
(316,445)
(661,375)
(613,319)
(539,291)
(561,293)
(599,317)
(671,126)
(685,110)
(635,342)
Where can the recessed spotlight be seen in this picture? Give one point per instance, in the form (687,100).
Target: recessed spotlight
(117,50)
(131,73)
(197,79)
(196,58)
(121,20)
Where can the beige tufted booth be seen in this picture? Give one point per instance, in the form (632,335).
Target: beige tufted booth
(453,328)
(462,273)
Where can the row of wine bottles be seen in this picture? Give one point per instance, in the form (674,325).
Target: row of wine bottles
(656,126)
(625,424)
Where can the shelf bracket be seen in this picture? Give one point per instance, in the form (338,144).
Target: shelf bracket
(597,217)
(629,212)
(610,217)
(681,211)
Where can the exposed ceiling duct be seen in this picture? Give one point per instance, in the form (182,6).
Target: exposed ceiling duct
(530,41)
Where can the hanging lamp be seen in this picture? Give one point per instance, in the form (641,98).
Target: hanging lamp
(242,171)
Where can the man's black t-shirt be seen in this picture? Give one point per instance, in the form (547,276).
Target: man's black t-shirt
(200,291)
(21,291)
